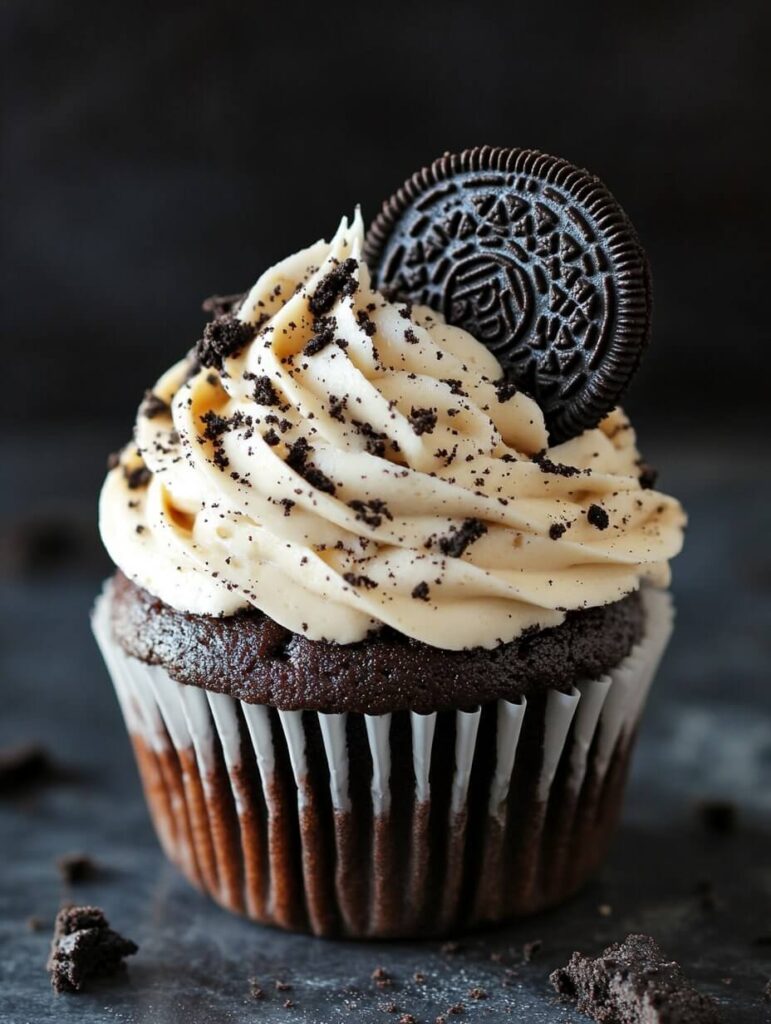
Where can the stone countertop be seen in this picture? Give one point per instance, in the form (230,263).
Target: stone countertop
(706,736)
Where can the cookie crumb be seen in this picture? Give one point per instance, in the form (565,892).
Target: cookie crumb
(632,980)
(76,867)
(454,544)
(382,978)
(264,392)
(223,338)
(338,282)
(504,390)
(324,328)
(256,991)
(137,477)
(84,946)
(359,581)
(546,465)
(422,421)
(23,765)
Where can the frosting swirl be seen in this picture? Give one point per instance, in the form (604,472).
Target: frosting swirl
(341,461)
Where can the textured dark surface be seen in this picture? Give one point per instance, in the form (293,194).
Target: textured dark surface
(706,735)
(255,659)
(535,258)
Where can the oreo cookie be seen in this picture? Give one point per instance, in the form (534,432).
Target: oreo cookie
(536,259)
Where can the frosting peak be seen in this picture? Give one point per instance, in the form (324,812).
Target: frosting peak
(343,461)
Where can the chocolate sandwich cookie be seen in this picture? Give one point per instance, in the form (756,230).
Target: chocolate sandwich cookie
(536,259)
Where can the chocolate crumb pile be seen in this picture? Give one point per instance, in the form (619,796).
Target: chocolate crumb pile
(422,421)
(223,337)
(556,468)
(632,982)
(84,946)
(339,281)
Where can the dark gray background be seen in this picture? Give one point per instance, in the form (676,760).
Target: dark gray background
(153,154)
(157,153)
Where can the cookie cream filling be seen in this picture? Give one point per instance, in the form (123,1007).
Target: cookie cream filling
(342,461)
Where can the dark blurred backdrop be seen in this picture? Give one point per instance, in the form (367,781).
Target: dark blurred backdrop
(155,153)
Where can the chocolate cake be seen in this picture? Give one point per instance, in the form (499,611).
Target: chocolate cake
(254,659)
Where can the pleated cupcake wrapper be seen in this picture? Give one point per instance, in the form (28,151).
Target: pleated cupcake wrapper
(208,819)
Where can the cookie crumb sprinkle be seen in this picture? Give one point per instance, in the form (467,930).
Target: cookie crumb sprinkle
(597,517)
(455,543)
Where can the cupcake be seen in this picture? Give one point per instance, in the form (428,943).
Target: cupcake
(391,577)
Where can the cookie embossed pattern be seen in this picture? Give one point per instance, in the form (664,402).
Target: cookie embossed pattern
(535,258)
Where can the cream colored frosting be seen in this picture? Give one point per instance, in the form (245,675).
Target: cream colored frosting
(407,429)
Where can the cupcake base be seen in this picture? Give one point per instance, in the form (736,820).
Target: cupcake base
(393,825)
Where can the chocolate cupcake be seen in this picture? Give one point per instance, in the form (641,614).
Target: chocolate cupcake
(381,645)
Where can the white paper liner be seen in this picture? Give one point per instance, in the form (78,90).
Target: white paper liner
(601,712)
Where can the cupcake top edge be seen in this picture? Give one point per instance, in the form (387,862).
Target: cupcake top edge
(343,459)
